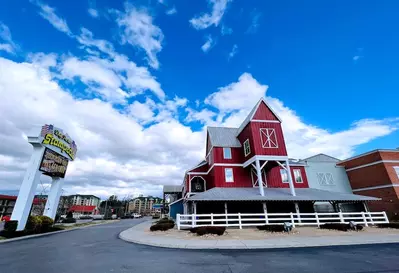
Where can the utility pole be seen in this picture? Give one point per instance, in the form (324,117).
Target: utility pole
(106,203)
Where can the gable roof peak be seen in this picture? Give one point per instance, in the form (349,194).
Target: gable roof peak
(252,113)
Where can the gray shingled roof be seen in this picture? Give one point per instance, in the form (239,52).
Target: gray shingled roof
(223,137)
(275,194)
(172,188)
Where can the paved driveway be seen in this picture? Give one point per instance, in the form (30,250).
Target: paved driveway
(98,249)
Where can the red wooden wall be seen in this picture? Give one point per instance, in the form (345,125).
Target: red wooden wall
(242,177)
(244,135)
(257,143)
(274,178)
(237,155)
(264,113)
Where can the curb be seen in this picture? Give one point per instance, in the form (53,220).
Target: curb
(46,234)
(241,244)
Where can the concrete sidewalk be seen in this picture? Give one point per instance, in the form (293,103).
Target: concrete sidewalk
(139,234)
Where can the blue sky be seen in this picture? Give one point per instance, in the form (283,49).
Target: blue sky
(330,68)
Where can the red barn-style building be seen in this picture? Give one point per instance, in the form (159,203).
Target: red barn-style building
(247,170)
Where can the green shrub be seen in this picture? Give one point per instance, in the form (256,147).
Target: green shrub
(165,221)
(85,217)
(210,230)
(271,228)
(11,226)
(69,221)
(33,225)
(389,225)
(162,226)
(69,214)
(336,226)
(47,223)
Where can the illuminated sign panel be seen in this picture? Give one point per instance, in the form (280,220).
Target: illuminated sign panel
(53,164)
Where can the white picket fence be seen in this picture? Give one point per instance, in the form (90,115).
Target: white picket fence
(296,219)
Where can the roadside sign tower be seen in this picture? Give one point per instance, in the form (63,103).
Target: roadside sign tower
(52,150)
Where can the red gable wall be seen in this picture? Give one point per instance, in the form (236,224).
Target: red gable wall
(257,142)
(264,113)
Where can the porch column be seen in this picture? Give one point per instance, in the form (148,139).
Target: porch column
(297,212)
(260,181)
(366,208)
(194,218)
(292,189)
(225,212)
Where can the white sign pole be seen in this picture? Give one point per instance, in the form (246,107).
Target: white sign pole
(28,188)
(54,197)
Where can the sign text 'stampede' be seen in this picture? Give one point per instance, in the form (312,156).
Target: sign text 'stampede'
(55,137)
(53,164)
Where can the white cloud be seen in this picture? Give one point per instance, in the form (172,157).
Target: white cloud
(116,154)
(206,20)
(240,95)
(137,29)
(226,30)
(89,72)
(56,21)
(5,34)
(255,17)
(171,11)
(142,112)
(209,43)
(86,38)
(7,48)
(93,12)
(233,52)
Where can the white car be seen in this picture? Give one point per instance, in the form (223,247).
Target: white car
(136,215)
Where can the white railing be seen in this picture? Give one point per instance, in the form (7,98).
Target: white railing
(296,219)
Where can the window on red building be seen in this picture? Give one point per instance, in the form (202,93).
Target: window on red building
(268,138)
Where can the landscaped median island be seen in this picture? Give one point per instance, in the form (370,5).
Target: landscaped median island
(42,225)
(263,236)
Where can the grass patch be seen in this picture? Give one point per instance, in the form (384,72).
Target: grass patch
(82,224)
(2,238)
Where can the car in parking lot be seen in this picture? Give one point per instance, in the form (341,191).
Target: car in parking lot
(136,215)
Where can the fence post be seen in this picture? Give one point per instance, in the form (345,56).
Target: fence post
(266,218)
(178,221)
(292,219)
(371,218)
(317,219)
(239,220)
(192,220)
(211,219)
(385,216)
(341,217)
(365,219)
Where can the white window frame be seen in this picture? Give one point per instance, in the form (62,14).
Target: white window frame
(281,175)
(224,153)
(225,175)
(300,175)
(268,133)
(246,144)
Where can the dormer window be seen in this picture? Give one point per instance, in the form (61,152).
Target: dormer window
(268,138)
(227,153)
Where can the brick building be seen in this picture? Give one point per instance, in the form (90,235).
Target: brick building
(376,173)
